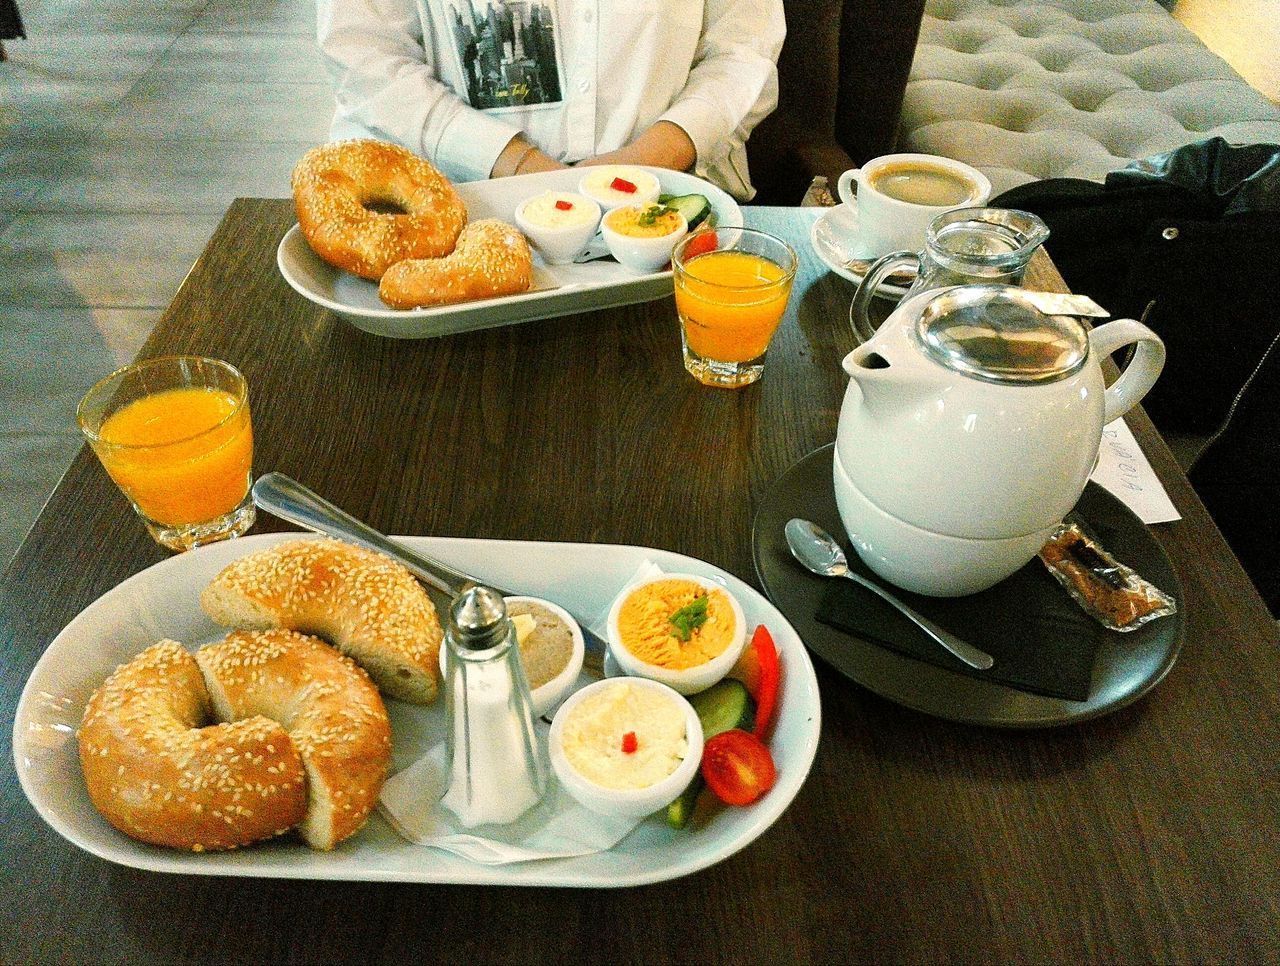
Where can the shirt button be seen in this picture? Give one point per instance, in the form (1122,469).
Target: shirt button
(584,85)
(1169,234)
(586,16)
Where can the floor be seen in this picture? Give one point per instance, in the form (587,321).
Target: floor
(126,128)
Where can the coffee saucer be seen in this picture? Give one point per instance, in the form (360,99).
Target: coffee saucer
(836,239)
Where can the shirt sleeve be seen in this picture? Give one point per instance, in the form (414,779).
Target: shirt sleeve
(386,84)
(733,84)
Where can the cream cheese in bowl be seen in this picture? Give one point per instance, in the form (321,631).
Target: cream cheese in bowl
(613,185)
(625,746)
(559,224)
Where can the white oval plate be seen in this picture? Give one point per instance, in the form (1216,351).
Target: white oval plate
(557,289)
(162,601)
(834,237)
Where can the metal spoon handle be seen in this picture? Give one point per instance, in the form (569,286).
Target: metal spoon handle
(290,500)
(961,649)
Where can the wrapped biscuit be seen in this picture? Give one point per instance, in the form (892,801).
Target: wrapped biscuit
(1113,594)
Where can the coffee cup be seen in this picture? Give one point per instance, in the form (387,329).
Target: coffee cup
(898,195)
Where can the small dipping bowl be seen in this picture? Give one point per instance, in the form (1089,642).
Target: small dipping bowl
(625,802)
(641,253)
(548,694)
(559,224)
(598,182)
(684,680)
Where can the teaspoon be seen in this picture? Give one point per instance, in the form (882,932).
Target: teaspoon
(820,554)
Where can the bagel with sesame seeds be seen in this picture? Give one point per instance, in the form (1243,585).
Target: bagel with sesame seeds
(363,603)
(338,187)
(491,259)
(243,741)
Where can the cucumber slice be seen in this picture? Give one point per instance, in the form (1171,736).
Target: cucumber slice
(695,208)
(722,707)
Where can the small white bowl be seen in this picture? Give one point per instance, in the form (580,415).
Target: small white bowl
(689,680)
(642,255)
(558,244)
(550,694)
(629,802)
(595,184)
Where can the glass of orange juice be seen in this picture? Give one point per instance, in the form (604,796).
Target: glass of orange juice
(732,286)
(174,434)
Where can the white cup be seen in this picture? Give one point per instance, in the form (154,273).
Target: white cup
(888,224)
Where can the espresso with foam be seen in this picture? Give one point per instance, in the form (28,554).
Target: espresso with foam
(920,183)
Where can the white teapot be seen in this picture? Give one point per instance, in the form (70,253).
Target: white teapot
(969,429)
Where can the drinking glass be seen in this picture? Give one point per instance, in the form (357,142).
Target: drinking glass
(174,434)
(732,286)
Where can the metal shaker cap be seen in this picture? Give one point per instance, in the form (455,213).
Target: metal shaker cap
(996,334)
(478,619)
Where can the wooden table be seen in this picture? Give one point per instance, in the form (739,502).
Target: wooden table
(1147,834)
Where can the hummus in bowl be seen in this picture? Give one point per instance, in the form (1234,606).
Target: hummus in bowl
(680,629)
(551,649)
(625,746)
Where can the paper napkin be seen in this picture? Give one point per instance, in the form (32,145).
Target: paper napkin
(558,827)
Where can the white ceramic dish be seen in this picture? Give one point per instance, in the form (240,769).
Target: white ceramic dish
(641,255)
(162,601)
(835,239)
(557,289)
(689,680)
(559,244)
(629,802)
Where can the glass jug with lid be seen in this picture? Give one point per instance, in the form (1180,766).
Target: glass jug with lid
(963,246)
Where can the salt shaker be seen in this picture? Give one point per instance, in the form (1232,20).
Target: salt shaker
(497,766)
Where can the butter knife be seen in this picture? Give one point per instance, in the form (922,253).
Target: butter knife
(290,500)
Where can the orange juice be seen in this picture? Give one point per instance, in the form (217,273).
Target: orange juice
(183,456)
(730,303)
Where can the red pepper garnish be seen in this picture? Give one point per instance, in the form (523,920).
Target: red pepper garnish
(564,205)
(629,743)
(620,184)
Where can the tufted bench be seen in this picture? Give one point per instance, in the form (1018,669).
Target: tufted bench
(1032,89)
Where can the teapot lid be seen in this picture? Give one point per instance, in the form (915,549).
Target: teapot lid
(995,333)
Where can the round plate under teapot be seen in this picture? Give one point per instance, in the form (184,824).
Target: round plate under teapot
(1126,666)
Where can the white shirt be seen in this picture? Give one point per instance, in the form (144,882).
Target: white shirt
(407,71)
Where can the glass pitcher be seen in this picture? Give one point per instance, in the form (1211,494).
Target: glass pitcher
(961,247)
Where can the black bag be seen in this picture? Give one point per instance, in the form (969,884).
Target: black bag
(1188,241)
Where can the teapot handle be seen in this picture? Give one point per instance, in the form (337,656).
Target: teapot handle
(859,317)
(1140,375)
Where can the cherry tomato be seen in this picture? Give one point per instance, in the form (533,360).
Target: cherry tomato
(770,671)
(701,243)
(737,767)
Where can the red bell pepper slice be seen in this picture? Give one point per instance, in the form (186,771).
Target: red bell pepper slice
(621,184)
(766,654)
(563,205)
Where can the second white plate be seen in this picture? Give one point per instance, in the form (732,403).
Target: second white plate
(557,289)
(163,601)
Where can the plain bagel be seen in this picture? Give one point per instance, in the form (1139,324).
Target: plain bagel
(337,187)
(300,738)
(363,603)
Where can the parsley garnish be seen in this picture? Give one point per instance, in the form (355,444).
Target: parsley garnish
(650,215)
(689,617)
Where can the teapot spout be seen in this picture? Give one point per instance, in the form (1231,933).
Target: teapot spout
(876,376)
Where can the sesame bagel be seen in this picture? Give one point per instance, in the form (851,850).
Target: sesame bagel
(491,259)
(159,772)
(334,187)
(328,706)
(365,604)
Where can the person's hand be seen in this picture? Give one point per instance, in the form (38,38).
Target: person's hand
(663,145)
(521,157)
